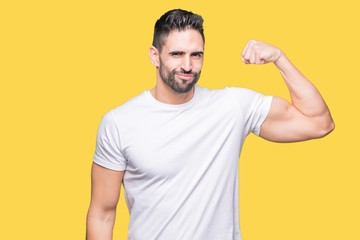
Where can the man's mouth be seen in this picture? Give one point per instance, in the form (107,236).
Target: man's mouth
(185,76)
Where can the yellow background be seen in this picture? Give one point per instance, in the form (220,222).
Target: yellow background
(64,64)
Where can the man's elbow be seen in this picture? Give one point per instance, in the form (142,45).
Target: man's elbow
(326,128)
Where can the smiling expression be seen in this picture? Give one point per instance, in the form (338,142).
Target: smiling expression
(181,60)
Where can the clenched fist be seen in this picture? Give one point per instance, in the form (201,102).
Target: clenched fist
(257,52)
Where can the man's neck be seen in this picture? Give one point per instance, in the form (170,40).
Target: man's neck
(165,95)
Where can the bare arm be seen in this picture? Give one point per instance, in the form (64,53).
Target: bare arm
(105,191)
(307,117)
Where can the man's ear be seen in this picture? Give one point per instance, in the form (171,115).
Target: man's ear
(154,56)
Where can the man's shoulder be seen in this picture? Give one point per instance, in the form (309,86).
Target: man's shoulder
(240,90)
(224,90)
(243,97)
(136,101)
(128,108)
(206,91)
(237,91)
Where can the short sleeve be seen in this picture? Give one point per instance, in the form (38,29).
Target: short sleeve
(108,151)
(254,108)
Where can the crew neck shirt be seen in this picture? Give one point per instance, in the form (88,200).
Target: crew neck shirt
(181,179)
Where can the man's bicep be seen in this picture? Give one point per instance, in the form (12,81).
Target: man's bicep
(284,123)
(105,187)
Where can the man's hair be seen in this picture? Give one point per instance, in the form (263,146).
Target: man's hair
(176,19)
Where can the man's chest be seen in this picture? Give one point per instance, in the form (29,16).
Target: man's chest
(166,145)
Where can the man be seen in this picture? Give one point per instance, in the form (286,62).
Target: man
(176,147)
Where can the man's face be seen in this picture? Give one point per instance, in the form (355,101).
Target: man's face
(181,60)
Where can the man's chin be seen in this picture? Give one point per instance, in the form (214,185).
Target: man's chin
(184,88)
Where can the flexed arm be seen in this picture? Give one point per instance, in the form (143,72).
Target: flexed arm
(307,117)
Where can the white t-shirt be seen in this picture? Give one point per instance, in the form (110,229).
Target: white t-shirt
(181,161)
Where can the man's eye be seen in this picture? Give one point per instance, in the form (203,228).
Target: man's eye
(175,54)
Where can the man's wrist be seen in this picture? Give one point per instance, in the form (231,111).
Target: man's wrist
(281,55)
(282,61)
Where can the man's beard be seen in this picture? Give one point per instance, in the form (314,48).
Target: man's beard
(169,79)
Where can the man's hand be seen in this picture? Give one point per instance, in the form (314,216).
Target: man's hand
(257,52)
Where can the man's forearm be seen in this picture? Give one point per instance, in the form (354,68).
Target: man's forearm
(99,227)
(304,95)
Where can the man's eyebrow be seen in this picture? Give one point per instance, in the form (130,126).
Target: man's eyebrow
(176,52)
(198,52)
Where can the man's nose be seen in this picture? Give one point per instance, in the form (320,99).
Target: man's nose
(187,64)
